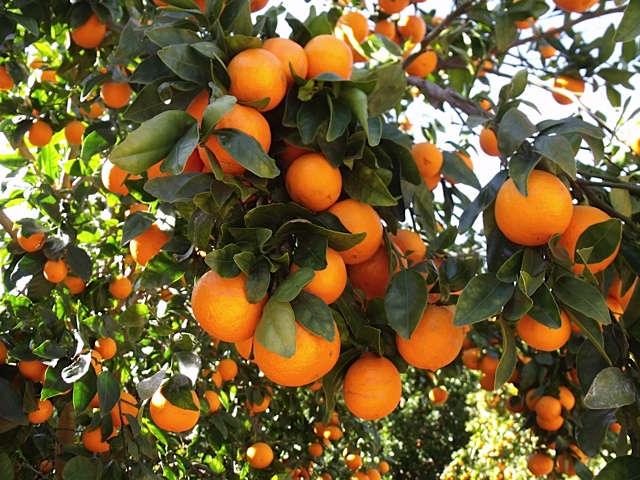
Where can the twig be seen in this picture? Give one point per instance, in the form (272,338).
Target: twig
(452,97)
(621,185)
(8,225)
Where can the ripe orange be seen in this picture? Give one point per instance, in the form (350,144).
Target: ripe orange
(524,24)
(148,244)
(291,152)
(73,132)
(614,307)
(615,291)
(547,51)
(548,408)
(488,382)
(170,417)
(412,28)
(383,466)
(263,405)
(48,76)
(353,460)
(489,364)
(428,158)
(92,440)
(115,95)
(328,54)
(371,276)
(46,466)
(333,433)
(291,56)
(569,84)
(32,370)
(256,74)
(216,378)
(31,244)
(313,182)
(423,65)
(127,405)
(96,361)
(540,464)
(544,338)
(213,399)
(615,427)
(534,219)
(198,104)
(567,398)
(257,5)
(577,6)
(354,21)
(95,110)
(393,6)
(489,142)
(106,347)
(438,395)
(259,455)
(314,357)
(373,474)
(387,29)
(372,387)
(90,34)
(43,412)
(316,449)
(245,347)
(120,287)
(246,119)
(55,270)
(550,425)
(40,133)
(3,353)
(583,217)
(6,82)
(221,307)
(329,283)
(411,244)
(471,358)
(359,217)
(434,343)
(228,369)
(113,178)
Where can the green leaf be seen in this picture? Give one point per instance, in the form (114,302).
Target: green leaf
(592,430)
(363,184)
(545,310)
(558,149)
(515,128)
(405,301)
(84,390)
(484,198)
(621,468)
(312,253)
(151,142)
(247,151)
(54,383)
(276,330)
(258,282)
(178,391)
(163,270)
(583,297)
(136,315)
(6,467)
(629,27)
(217,109)
(11,404)
(610,389)
(509,358)
(337,240)
(186,63)
(391,83)
(518,305)
(147,387)
(483,297)
(332,381)
(506,31)
(180,153)
(222,261)
(166,36)
(356,100)
(293,284)
(81,468)
(108,392)
(454,169)
(179,188)
(599,241)
(339,119)
(519,82)
(134,225)
(314,315)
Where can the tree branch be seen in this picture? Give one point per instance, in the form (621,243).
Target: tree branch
(8,225)
(441,95)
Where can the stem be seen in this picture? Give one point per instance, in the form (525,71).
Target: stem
(622,185)
(8,225)
(449,95)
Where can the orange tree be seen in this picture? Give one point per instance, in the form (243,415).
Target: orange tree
(208,228)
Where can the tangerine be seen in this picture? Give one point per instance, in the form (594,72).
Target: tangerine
(359,217)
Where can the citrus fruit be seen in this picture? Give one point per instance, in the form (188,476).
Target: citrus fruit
(353,461)
(106,347)
(213,399)
(328,283)
(615,291)
(328,54)
(313,182)
(359,217)
(43,412)
(32,370)
(92,440)
(115,95)
(170,417)
(228,369)
(387,29)
(245,347)
(291,56)
(412,28)
(567,398)
(6,82)
(371,276)
(40,133)
(263,405)
(541,337)
(4,353)
(148,244)
(428,158)
(127,405)
(73,132)
(55,270)
(550,425)
(411,244)
(90,34)
(540,464)
(259,455)
(33,243)
(577,6)
(438,395)
(316,449)
(548,408)
(423,65)
(489,142)
(113,178)
(393,6)
(471,358)
(120,287)
(569,84)
(383,466)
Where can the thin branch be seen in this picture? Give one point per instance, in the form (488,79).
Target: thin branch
(621,185)
(8,225)
(441,95)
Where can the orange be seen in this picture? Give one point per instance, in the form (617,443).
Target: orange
(263,405)
(354,21)
(486,66)
(615,307)
(291,152)
(216,378)
(32,243)
(547,51)
(127,405)
(257,5)
(256,74)
(314,357)
(148,244)
(246,119)
(6,82)
(46,466)
(550,425)
(371,276)
(411,244)
(245,347)
(313,182)
(488,382)
(333,432)
(3,353)
(540,464)
(316,449)
(113,178)
(567,398)
(544,338)
(120,287)
(471,358)
(615,291)
(291,56)
(96,361)
(221,307)
(489,364)
(95,110)
(383,466)
(55,270)
(73,132)
(329,283)
(328,54)
(423,65)
(353,460)
(566,83)
(372,387)
(615,427)
(412,28)
(115,95)
(90,34)
(228,369)
(434,343)
(534,219)
(583,217)
(524,24)
(213,399)
(373,474)
(198,104)
(42,413)
(48,76)
(428,158)
(577,6)
(106,347)
(259,455)
(359,217)
(170,417)
(92,440)
(386,29)
(565,463)
(40,133)
(489,142)
(393,6)
(359,476)
(193,164)
(438,395)
(548,408)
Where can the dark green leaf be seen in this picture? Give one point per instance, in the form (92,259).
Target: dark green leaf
(515,128)
(506,31)
(186,63)
(405,301)
(108,392)
(599,241)
(545,310)
(510,270)
(610,389)
(293,284)
(135,224)
(483,297)
(455,169)
(81,468)
(6,467)
(484,198)
(247,151)
(621,468)
(332,381)
(84,390)
(363,184)
(222,261)
(558,149)
(11,404)
(258,282)
(217,109)
(583,297)
(509,358)
(178,391)
(176,160)
(592,429)
(390,86)
(276,330)
(312,253)
(163,270)
(136,315)
(629,27)
(314,315)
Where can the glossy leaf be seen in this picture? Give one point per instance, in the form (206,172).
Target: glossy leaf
(515,128)
(147,387)
(363,184)
(178,390)
(558,149)
(629,27)
(332,381)
(405,301)
(108,392)
(276,330)
(483,297)
(600,241)
(583,297)
(314,315)
(293,284)
(11,405)
(620,468)
(247,152)
(509,357)
(592,429)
